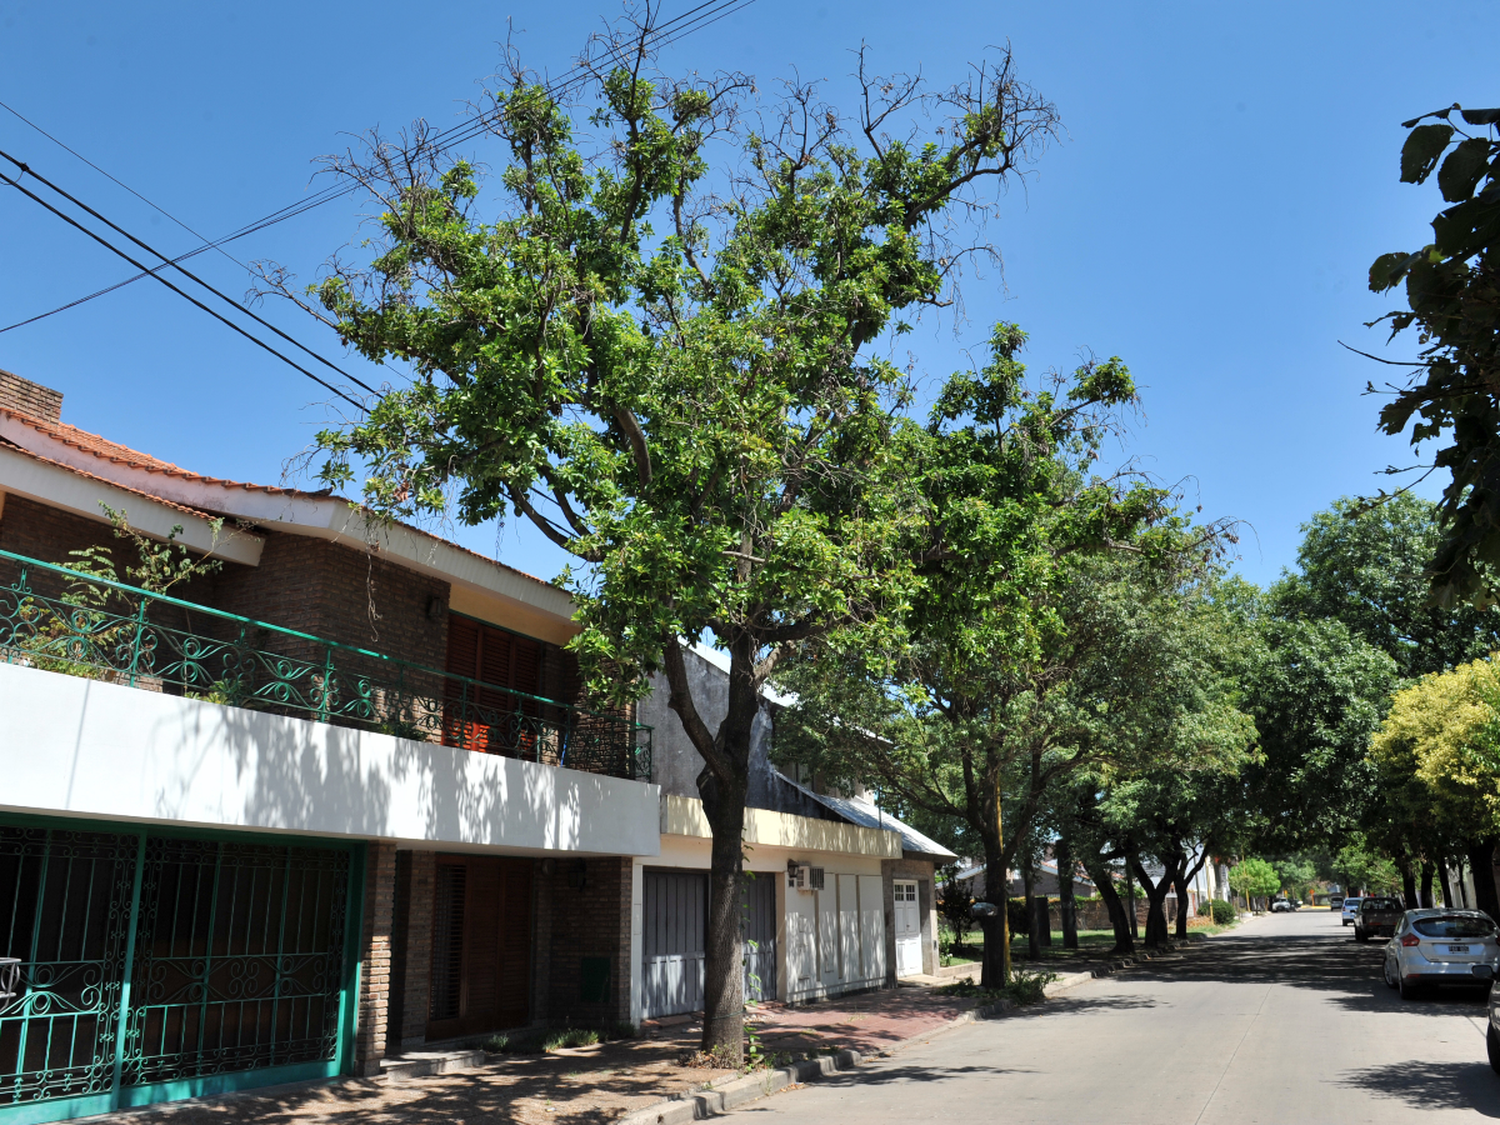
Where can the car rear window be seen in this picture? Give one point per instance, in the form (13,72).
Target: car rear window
(1454,927)
(1379,904)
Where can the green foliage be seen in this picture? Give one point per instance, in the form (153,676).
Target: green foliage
(1254,878)
(668,350)
(1362,567)
(97,623)
(1223,913)
(1024,987)
(954,904)
(1438,751)
(1453,303)
(543,1041)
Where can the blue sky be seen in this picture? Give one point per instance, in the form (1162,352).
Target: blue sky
(1227,173)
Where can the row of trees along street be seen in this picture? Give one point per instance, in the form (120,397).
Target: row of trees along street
(660,332)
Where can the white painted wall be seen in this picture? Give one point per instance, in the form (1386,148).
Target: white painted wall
(818,930)
(84,748)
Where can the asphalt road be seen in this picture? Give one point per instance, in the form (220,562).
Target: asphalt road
(1285,1019)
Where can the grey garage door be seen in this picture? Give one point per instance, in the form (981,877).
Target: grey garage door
(675,923)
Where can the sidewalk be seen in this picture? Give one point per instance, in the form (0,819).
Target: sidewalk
(582,1086)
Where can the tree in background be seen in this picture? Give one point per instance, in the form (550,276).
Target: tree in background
(1453,302)
(667,352)
(1254,878)
(1361,566)
(1439,752)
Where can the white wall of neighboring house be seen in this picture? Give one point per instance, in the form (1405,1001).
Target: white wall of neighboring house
(92,749)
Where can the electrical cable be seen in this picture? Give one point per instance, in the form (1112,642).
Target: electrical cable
(141,266)
(695,19)
(27,170)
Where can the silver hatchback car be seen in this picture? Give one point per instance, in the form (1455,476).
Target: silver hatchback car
(1441,947)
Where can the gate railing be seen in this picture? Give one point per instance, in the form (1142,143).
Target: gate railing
(62,620)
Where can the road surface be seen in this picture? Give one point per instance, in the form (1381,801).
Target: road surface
(1286,1019)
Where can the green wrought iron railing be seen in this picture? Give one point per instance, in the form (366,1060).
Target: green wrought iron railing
(62,620)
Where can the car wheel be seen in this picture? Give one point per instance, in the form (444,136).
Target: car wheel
(1391,978)
(1492,1045)
(1360,935)
(1409,991)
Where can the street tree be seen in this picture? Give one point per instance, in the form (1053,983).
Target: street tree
(1254,878)
(1438,754)
(666,350)
(1363,567)
(1452,395)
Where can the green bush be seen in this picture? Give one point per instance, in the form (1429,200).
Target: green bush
(1223,912)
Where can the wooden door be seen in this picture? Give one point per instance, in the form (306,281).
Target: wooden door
(481,946)
(490,718)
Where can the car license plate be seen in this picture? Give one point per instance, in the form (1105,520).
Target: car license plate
(1458,949)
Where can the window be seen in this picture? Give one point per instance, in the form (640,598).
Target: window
(485,717)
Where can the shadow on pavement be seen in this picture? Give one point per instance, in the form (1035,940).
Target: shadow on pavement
(1430,1085)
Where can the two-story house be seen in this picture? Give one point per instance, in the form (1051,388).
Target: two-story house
(341,796)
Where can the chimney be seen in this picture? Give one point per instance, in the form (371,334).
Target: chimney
(25,397)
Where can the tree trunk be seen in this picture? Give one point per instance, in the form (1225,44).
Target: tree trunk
(995,965)
(723,784)
(1134,912)
(1482,866)
(1408,883)
(1156,899)
(1028,896)
(723,974)
(1445,885)
(1066,906)
(1103,878)
(1180,885)
(1426,888)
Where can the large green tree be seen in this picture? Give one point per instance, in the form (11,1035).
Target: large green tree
(667,349)
(1362,566)
(1452,395)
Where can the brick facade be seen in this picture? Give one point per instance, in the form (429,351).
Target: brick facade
(26,397)
(411,975)
(375,956)
(586,904)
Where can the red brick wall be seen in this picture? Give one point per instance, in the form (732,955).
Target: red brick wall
(26,397)
(592,920)
(375,953)
(414,946)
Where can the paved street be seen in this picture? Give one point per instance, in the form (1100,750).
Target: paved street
(1284,1020)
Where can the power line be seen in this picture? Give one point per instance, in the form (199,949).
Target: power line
(27,170)
(121,183)
(140,266)
(694,19)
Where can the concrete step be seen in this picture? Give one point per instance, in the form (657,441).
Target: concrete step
(419,1063)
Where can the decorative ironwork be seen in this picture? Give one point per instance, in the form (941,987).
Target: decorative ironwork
(239,959)
(59,619)
(65,915)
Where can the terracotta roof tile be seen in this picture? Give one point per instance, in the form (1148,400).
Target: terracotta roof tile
(123,455)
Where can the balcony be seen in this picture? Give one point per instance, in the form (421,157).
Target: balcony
(56,619)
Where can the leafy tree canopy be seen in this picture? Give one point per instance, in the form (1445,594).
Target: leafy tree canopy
(1453,303)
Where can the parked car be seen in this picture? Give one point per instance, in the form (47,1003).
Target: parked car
(1282,906)
(1431,947)
(1350,908)
(1377,917)
(1492,1034)
(1335,902)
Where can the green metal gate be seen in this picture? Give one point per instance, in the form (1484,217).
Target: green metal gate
(225,961)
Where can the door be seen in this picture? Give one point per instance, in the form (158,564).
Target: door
(759,929)
(482,718)
(848,939)
(481,945)
(908,923)
(674,928)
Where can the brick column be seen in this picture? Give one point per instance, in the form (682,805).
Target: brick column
(417,970)
(375,953)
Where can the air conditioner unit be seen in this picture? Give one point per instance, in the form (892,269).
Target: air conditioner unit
(801,877)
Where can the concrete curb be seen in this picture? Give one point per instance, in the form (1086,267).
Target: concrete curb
(700,1104)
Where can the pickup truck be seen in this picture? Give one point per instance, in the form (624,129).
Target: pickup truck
(1377,917)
